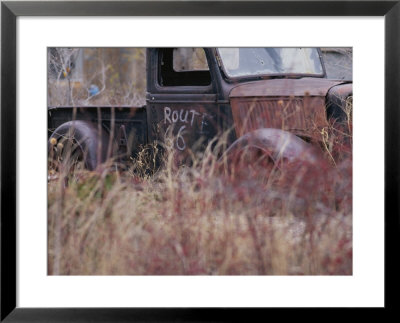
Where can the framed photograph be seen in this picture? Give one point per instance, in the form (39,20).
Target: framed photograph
(197,160)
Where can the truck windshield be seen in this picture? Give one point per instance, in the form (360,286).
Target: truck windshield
(247,62)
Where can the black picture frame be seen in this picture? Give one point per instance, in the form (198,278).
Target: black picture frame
(10,10)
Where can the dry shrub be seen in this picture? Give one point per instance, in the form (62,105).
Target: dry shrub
(295,219)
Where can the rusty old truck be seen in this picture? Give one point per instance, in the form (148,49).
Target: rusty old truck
(256,96)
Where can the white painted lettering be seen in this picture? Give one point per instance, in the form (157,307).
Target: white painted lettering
(194,113)
(175,116)
(180,141)
(185,119)
(167,114)
(179,116)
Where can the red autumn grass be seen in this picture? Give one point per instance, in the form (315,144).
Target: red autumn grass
(294,219)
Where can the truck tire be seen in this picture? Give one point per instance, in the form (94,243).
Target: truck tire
(78,144)
(270,146)
(339,103)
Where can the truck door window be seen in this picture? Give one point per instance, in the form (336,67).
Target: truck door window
(183,67)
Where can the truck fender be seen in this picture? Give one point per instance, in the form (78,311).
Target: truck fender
(337,101)
(278,144)
(87,137)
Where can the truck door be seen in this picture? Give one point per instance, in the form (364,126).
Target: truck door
(181,99)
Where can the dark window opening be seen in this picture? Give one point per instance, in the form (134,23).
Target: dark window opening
(183,68)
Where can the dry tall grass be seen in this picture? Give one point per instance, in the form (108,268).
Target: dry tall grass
(295,219)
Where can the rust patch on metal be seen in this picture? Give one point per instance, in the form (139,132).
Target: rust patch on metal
(304,116)
(284,88)
(295,105)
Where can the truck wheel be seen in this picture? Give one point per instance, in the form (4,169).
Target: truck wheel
(340,103)
(76,145)
(267,148)
(249,157)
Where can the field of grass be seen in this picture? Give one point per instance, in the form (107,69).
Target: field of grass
(207,219)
